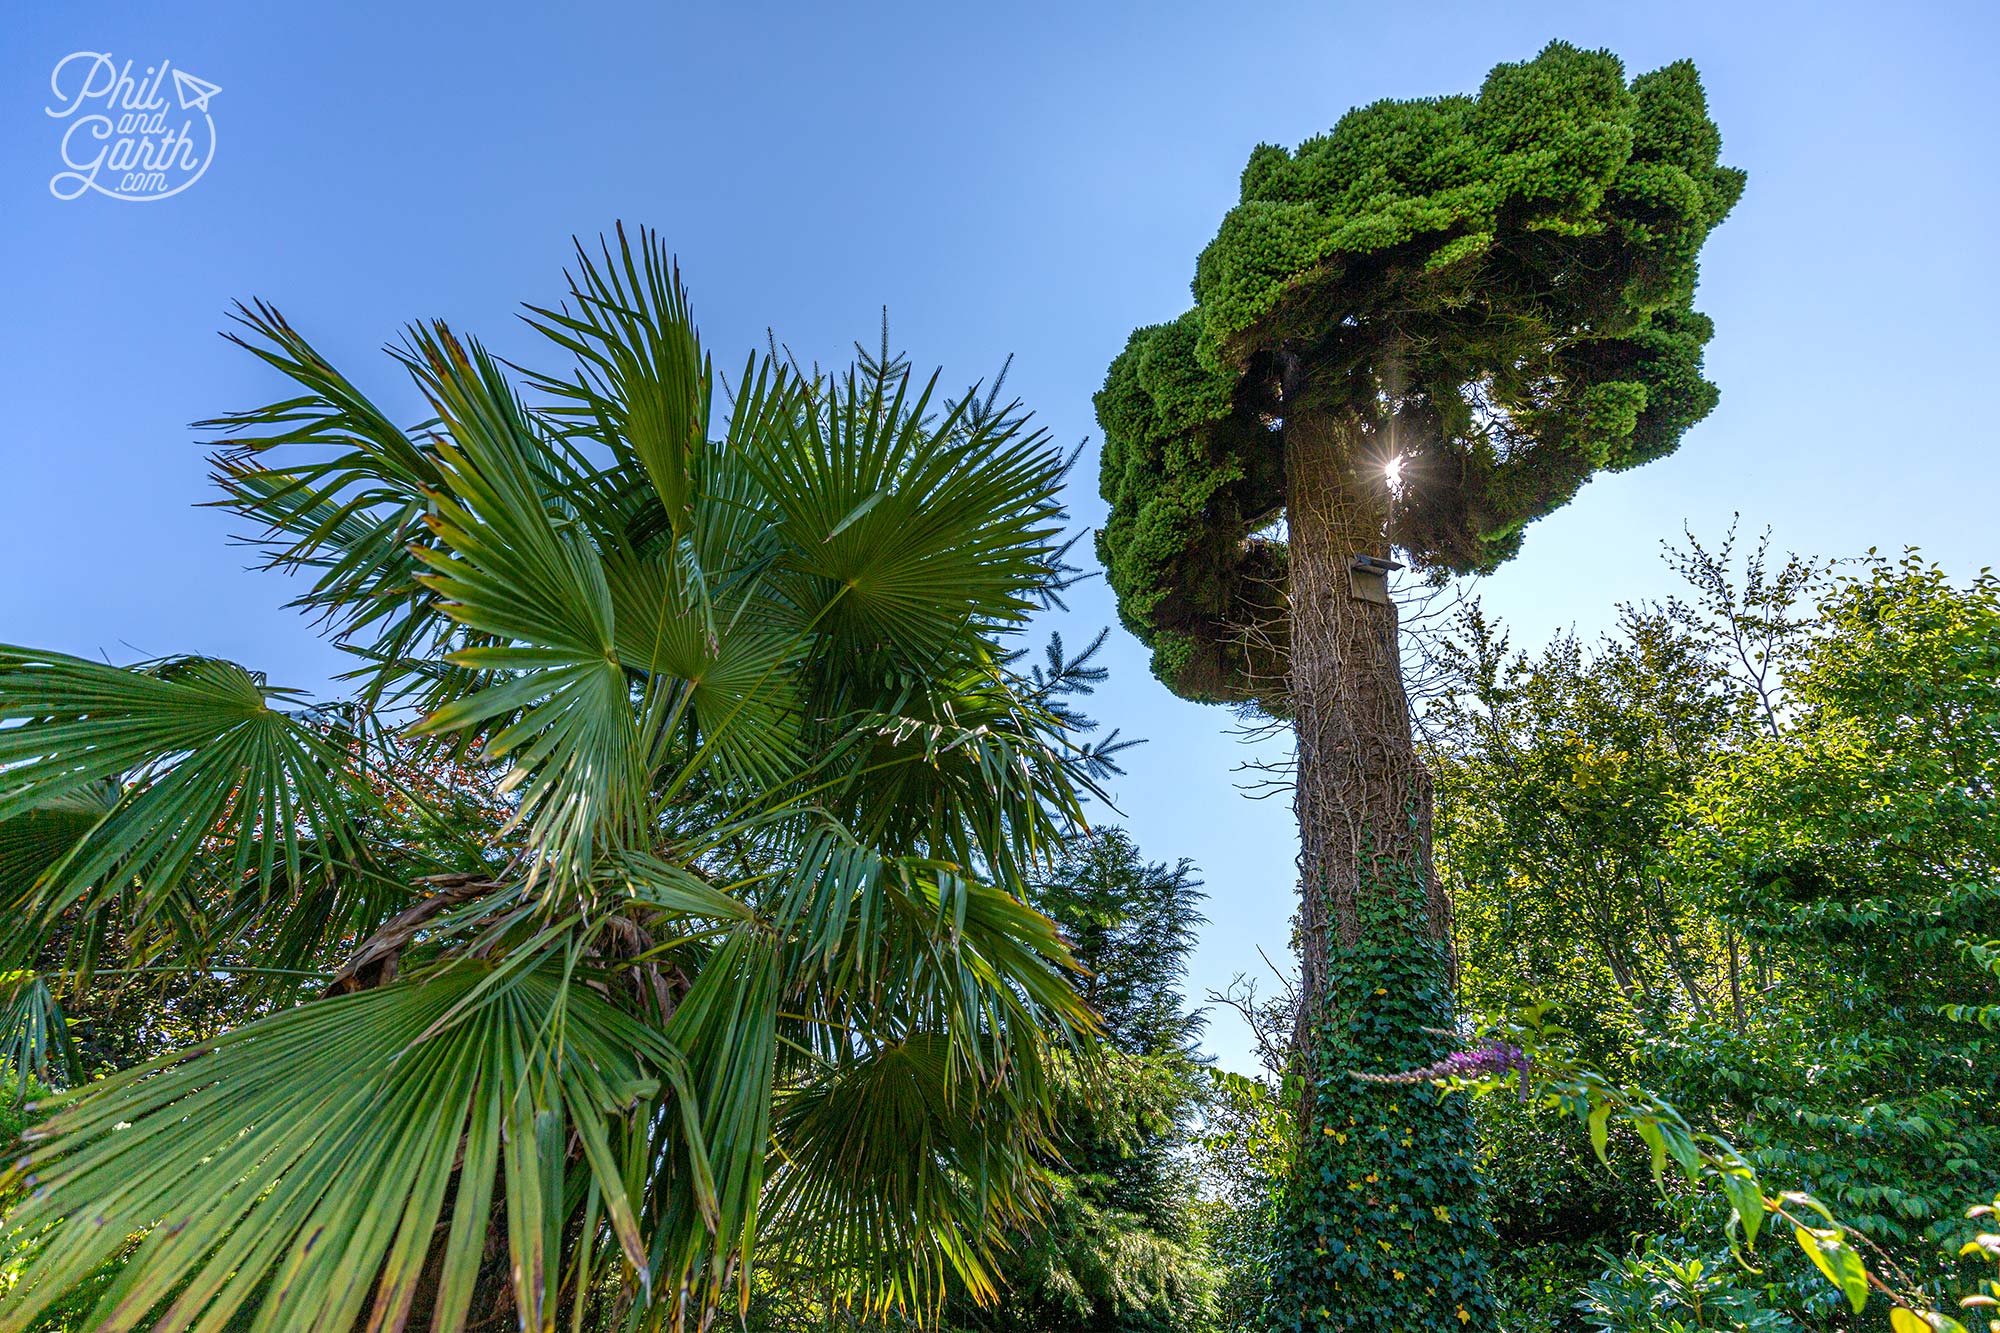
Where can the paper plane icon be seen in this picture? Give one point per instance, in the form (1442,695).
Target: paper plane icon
(194,93)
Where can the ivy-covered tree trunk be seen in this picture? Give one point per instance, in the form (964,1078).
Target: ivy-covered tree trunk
(1386,1229)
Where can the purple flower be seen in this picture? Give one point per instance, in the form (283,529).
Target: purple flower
(1487,1058)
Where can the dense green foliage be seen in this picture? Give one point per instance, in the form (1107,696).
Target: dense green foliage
(1859,853)
(1118,1247)
(1244,1154)
(1499,286)
(1749,847)
(1368,1212)
(1662,1288)
(1119,1252)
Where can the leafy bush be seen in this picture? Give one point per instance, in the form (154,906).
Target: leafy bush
(1748,849)
(1668,1288)
(1555,1207)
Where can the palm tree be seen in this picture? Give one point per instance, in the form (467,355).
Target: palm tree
(744,975)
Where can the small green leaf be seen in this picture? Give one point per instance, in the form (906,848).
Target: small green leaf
(1837,1259)
(1600,1131)
(1650,1132)
(1742,1189)
(1683,1150)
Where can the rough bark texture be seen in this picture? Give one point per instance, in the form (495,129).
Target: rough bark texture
(491,1309)
(1385,1227)
(1363,794)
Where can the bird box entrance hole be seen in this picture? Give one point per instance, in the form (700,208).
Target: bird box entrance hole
(1368,579)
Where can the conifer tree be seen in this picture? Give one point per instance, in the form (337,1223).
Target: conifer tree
(1413,336)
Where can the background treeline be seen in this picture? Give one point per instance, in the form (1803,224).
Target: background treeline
(1744,846)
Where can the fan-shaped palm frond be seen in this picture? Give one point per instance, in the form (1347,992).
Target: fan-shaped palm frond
(893,1175)
(909,531)
(34,1032)
(349,509)
(211,767)
(727,1025)
(331,1139)
(641,383)
(509,568)
(734,674)
(43,832)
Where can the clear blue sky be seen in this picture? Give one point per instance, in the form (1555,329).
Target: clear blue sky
(1025,179)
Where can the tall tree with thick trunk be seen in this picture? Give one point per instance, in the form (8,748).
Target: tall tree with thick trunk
(1413,336)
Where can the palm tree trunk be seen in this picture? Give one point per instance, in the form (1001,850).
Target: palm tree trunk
(375,963)
(1388,1228)
(491,1309)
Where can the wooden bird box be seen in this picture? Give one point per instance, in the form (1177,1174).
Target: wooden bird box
(1368,578)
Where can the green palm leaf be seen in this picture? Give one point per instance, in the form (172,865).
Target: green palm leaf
(303,1163)
(911,531)
(894,1174)
(642,381)
(738,672)
(33,1029)
(44,832)
(348,509)
(210,765)
(727,1026)
(510,567)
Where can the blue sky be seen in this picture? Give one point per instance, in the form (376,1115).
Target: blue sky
(1023,179)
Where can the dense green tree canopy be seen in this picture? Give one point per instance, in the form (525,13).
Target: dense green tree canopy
(1746,850)
(1497,288)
